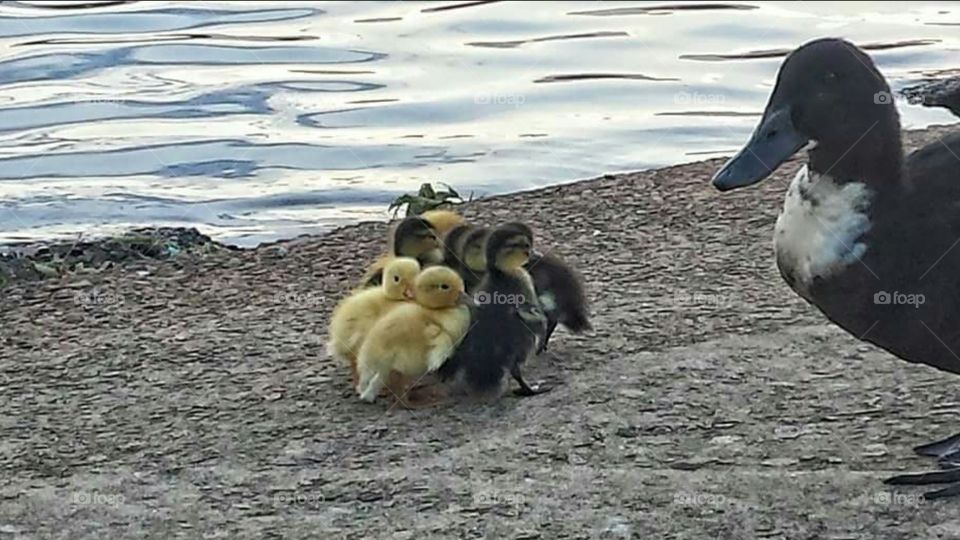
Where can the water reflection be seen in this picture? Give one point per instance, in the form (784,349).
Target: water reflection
(257,120)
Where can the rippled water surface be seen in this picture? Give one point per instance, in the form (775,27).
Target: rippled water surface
(262,120)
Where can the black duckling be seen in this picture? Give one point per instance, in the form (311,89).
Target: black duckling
(473,260)
(507,320)
(451,242)
(560,293)
(412,237)
(866,235)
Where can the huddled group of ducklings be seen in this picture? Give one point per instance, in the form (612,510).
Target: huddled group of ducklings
(466,303)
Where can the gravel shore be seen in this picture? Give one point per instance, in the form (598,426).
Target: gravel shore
(192,397)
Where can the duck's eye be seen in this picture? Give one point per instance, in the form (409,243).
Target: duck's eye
(396,279)
(771,134)
(444,286)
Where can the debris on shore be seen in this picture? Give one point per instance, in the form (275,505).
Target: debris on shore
(35,261)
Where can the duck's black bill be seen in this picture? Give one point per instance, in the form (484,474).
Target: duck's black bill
(772,143)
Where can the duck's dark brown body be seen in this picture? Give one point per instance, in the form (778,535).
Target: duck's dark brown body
(904,293)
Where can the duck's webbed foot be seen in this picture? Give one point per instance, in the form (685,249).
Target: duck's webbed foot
(947,452)
(525,389)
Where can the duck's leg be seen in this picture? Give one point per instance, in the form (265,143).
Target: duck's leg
(525,390)
(947,452)
(551,326)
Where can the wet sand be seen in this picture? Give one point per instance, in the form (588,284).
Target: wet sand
(193,398)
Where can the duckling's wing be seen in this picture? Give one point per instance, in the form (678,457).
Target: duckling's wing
(440,345)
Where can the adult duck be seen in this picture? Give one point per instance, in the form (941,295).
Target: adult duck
(868,236)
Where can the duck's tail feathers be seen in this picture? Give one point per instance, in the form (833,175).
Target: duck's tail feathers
(564,286)
(576,321)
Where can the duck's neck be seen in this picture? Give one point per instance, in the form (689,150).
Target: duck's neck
(872,155)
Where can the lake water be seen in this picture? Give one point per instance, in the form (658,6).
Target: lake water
(261,120)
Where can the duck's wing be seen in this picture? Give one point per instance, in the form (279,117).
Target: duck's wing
(917,262)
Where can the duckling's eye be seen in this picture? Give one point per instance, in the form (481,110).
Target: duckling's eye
(396,279)
(444,286)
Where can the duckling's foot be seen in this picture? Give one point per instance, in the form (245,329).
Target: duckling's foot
(525,389)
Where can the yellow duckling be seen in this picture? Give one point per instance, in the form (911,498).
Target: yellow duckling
(355,315)
(443,221)
(415,338)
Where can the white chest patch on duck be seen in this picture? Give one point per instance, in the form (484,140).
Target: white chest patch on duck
(820,228)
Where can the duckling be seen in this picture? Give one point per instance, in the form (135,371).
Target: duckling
(474,260)
(507,322)
(465,242)
(415,338)
(443,221)
(560,293)
(412,237)
(355,315)
(451,243)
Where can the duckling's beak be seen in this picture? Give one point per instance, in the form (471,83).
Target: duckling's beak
(772,143)
(408,293)
(466,300)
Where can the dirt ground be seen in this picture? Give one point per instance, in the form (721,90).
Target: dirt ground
(193,398)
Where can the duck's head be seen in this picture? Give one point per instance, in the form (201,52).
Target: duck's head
(452,241)
(472,248)
(440,287)
(829,95)
(443,221)
(398,278)
(415,237)
(508,247)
